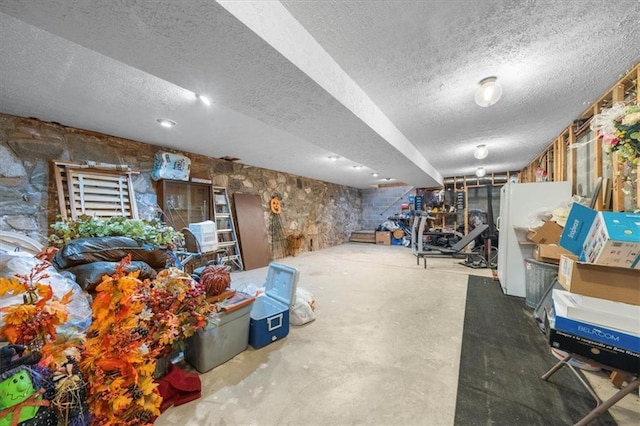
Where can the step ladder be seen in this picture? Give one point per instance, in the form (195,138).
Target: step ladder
(226,229)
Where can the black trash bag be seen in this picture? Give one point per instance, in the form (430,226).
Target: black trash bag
(89,275)
(109,249)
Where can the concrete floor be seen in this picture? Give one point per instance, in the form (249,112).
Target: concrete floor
(384,349)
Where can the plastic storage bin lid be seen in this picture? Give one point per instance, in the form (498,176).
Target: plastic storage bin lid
(281,283)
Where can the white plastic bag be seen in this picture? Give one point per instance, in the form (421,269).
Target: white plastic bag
(171,166)
(79,308)
(302,311)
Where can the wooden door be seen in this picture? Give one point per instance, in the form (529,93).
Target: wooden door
(252,231)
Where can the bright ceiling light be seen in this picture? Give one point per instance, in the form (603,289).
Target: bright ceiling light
(489,92)
(481,152)
(166,122)
(204,99)
(480,172)
(374,174)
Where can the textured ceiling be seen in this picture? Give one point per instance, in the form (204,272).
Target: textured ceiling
(386,84)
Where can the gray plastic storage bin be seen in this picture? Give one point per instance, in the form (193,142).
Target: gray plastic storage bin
(217,344)
(538,277)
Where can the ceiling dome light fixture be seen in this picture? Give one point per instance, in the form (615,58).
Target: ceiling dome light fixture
(166,122)
(204,99)
(374,174)
(481,152)
(480,172)
(489,92)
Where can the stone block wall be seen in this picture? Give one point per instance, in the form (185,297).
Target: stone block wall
(324,213)
(380,203)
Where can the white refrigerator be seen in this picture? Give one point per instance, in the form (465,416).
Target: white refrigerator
(518,202)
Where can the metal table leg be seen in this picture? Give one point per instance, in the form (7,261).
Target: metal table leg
(601,406)
(609,402)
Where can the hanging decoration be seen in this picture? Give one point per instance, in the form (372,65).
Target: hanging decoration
(274,204)
(279,245)
(618,128)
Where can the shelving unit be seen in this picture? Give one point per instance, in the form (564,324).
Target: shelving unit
(184,202)
(225,227)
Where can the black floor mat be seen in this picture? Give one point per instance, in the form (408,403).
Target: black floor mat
(503,356)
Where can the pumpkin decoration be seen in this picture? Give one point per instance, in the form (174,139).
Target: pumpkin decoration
(215,279)
(275,206)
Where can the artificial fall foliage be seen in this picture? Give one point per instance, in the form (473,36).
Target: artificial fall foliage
(116,361)
(176,309)
(134,323)
(33,323)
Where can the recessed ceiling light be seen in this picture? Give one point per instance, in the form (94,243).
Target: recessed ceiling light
(333,157)
(357,167)
(204,99)
(166,122)
(374,174)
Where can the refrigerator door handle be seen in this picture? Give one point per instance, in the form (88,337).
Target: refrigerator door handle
(498,224)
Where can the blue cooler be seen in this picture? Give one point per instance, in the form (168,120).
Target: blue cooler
(270,311)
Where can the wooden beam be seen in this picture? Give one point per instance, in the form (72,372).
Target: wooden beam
(598,158)
(618,184)
(574,160)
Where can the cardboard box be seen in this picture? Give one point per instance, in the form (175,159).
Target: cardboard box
(548,233)
(595,329)
(604,282)
(609,355)
(549,253)
(623,317)
(383,238)
(604,238)
(614,240)
(598,333)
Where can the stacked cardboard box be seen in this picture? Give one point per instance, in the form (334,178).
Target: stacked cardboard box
(603,238)
(599,316)
(547,238)
(605,331)
(605,254)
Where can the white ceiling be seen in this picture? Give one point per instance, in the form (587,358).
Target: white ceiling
(387,85)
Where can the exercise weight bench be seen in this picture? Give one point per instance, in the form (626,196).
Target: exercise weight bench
(423,250)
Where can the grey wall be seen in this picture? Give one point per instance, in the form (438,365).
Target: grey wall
(380,203)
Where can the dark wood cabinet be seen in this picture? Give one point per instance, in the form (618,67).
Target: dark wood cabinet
(183,202)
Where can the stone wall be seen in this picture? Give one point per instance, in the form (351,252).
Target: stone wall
(324,213)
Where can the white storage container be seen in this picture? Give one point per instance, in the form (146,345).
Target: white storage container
(205,233)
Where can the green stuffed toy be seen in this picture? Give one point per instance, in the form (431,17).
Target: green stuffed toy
(21,400)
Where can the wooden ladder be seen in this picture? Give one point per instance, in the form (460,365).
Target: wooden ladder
(226,229)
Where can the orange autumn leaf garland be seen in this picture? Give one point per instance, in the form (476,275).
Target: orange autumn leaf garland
(134,323)
(116,359)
